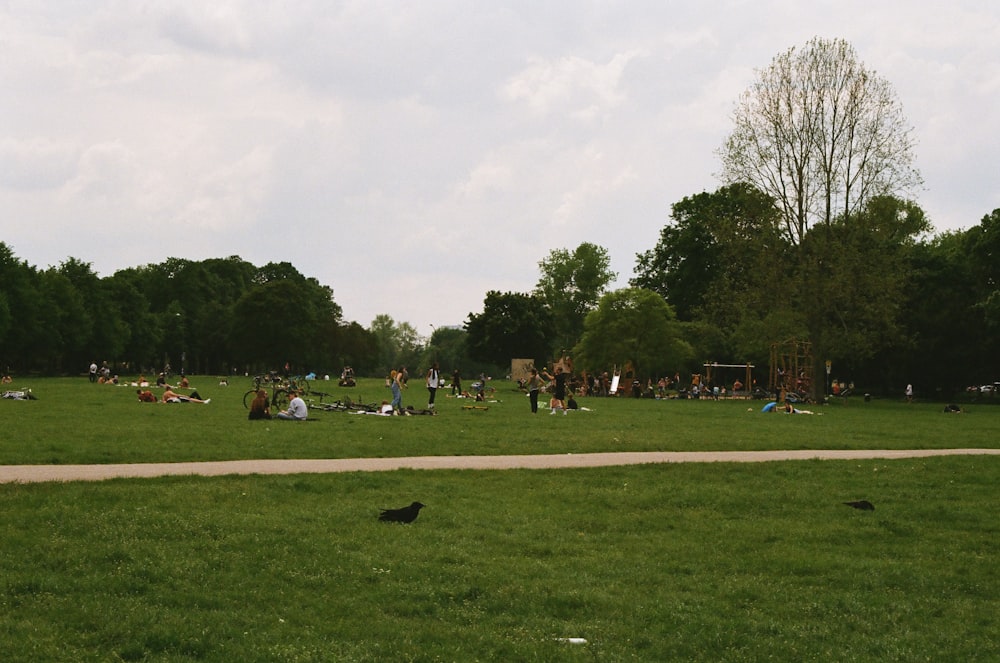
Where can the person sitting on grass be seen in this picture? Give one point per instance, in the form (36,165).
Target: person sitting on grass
(556,404)
(145,396)
(260,408)
(171,396)
(296,411)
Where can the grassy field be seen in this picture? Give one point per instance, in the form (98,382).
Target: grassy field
(695,562)
(74,421)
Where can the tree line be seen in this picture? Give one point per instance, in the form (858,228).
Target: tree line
(215,316)
(720,285)
(885,302)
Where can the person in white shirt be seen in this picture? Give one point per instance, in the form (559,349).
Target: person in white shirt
(296,411)
(433,382)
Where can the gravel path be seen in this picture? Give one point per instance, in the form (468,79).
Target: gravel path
(36,473)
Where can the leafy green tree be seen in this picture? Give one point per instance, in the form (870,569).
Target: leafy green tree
(512,325)
(448,347)
(63,320)
(44,318)
(354,346)
(411,344)
(570,285)
(145,333)
(721,250)
(852,280)
(102,330)
(278,322)
(983,242)
(950,341)
(632,324)
(826,139)
(209,290)
(397,344)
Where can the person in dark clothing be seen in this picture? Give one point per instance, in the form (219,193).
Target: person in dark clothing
(259,407)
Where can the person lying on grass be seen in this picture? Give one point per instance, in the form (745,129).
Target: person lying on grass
(171,396)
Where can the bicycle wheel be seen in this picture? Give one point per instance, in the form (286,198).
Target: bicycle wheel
(248,398)
(280,400)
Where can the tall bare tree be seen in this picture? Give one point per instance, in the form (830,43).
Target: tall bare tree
(821,134)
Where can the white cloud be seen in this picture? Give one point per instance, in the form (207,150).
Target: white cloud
(570,85)
(35,164)
(414,156)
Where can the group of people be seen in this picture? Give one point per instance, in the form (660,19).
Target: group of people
(170,396)
(297,410)
(398,381)
(260,407)
(559,401)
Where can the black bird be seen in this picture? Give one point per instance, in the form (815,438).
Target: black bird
(405,515)
(864,505)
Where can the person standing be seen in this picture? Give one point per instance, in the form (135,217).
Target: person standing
(93,371)
(534,386)
(909,393)
(397,391)
(456,383)
(433,379)
(559,390)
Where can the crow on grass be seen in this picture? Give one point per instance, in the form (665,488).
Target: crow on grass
(407,514)
(864,505)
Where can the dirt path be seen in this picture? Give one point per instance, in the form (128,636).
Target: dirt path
(36,473)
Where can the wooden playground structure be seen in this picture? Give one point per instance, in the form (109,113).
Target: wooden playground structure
(791,367)
(747,378)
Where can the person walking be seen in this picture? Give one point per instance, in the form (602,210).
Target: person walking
(433,381)
(535,383)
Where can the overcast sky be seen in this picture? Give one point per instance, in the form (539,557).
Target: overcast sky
(414,155)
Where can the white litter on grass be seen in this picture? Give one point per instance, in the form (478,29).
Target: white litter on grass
(573,641)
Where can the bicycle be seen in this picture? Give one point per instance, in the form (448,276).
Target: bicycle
(346,404)
(299,383)
(279,391)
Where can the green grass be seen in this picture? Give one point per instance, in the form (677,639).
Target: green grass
(674,562)
(76,422)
